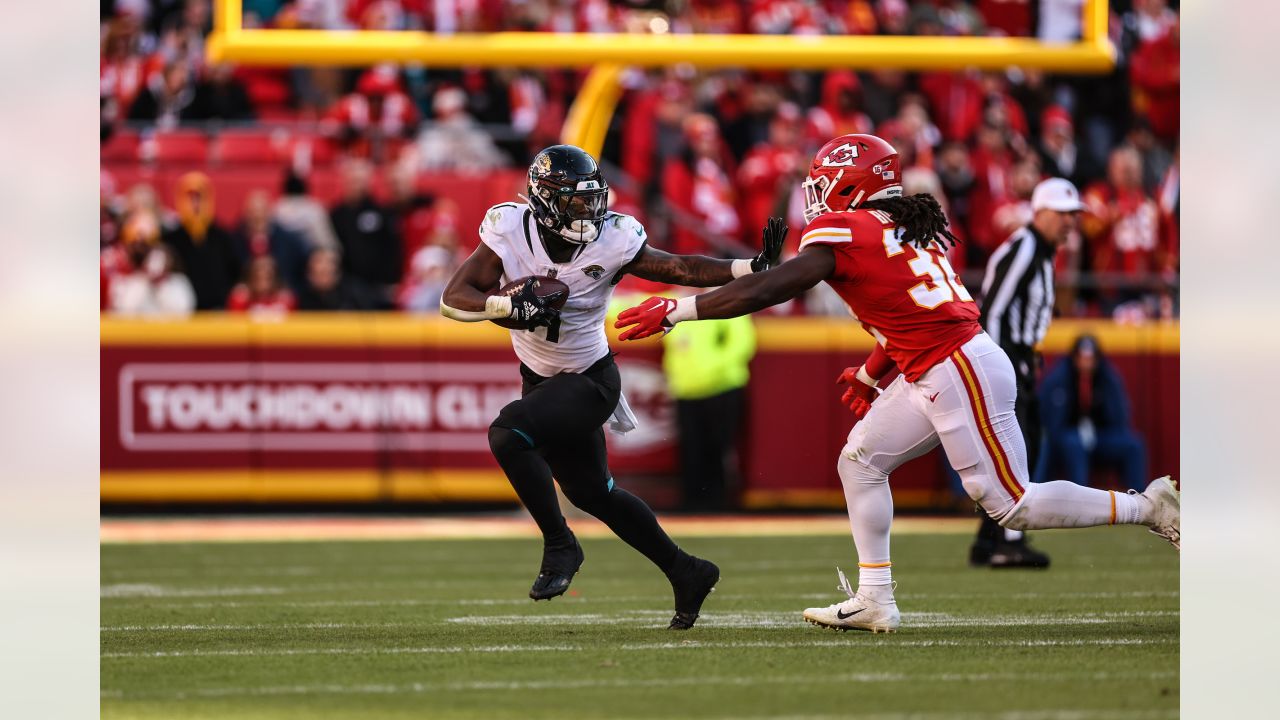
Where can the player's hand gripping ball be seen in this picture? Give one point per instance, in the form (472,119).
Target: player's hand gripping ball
(535,300)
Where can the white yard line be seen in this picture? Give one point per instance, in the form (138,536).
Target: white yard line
(750,619)
(613,600)
(821,640)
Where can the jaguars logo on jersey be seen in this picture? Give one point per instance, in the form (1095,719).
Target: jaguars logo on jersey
(595,272)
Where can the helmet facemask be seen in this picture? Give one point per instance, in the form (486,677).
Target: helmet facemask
(574,214)
(816,191)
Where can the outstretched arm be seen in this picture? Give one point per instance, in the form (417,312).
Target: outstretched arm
(702,271)
(740,297)
(761,290)
(689,270)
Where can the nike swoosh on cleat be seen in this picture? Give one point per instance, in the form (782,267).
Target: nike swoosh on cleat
(842,616)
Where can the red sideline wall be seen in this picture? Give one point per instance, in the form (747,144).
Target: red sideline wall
(386,408)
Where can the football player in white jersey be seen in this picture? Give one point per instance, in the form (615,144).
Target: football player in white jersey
(571,385)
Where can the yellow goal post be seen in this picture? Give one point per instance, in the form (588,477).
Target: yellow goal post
(608,53)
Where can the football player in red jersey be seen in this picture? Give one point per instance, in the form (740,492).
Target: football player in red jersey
(884,254)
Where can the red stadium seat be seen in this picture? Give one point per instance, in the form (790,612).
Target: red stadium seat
(177,146)
(121,147)
(252,146)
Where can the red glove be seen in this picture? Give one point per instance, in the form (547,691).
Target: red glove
(859,395)
(648,318)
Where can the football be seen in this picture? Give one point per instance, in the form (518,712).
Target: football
(554,291)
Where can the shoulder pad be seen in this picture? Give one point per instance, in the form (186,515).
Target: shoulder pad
(624,223)
(501,218)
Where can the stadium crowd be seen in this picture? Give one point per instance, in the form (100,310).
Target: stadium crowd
(702,157)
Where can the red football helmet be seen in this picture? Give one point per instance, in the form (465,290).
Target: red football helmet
(849,171)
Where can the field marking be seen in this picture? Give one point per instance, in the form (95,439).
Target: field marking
(742,619)
(511,525)
(768,619)
(217,628)
(591,683)
(824,641)
(613,600)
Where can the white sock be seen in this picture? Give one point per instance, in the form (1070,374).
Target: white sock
(873,575)
(1129,508)
(1012,535)
(870,503)
(1063,504)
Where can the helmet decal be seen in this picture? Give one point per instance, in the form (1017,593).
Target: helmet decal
(842,156)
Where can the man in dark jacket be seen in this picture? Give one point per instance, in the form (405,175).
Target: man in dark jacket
(371,245)
(204,250)
(1085,411)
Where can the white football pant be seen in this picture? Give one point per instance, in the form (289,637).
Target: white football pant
(966,403)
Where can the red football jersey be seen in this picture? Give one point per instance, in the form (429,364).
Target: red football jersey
(909,299)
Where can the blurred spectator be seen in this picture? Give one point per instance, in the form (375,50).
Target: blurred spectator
(1085,410)
(454,141)
(372,121)
(1153,19)
(261,293)
(297,211)
(371,245)
(697,188)
(145,284)
(840,111)
(1057,145)
(410,207)
(1156,158)
(122,69)
(429,272)
(993,161)
(1155,69)
(326,288)
(1126,231)
(917,136)
(221,96)
(771,173)
(167,99)
(1014,211)
(955,172)
(260,236)
(204,250)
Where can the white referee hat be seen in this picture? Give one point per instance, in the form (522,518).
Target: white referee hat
(1056,194)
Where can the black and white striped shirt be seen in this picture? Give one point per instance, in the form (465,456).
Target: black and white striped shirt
(1017,292)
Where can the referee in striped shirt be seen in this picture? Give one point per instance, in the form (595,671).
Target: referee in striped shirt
(1017,305)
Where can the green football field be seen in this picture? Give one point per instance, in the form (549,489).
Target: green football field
(443,629)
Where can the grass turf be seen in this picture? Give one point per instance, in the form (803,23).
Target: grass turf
(442,629)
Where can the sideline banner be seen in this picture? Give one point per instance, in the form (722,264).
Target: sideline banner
(385,408)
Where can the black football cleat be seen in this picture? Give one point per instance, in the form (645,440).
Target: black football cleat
(559,565)
(1017,554)
(980,552)
(691,586)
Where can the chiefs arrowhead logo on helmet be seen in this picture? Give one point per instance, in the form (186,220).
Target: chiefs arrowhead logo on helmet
(842,156)
(848,171)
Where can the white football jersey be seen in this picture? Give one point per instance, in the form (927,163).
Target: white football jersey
(578,340)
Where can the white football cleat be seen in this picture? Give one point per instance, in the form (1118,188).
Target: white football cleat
(1164,517)
(859,612)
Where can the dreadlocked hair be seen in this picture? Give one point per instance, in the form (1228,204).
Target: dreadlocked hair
(919,217)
